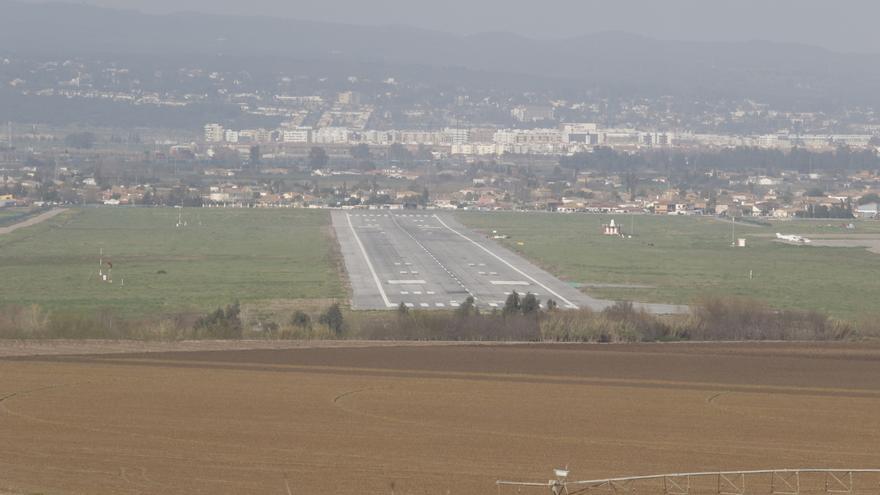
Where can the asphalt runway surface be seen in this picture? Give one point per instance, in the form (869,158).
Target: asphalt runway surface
(428,260)
(42,217)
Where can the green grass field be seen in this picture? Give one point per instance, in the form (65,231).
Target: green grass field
(221,255)
(683,258)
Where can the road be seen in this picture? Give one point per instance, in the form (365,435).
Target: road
(428,260)
(32,220)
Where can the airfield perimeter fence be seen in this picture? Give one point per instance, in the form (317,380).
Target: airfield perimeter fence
(761,482)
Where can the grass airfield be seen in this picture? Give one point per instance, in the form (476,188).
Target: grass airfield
(281,258)
(219,255)
(676,259)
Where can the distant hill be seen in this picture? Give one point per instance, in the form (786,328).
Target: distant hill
(783,74)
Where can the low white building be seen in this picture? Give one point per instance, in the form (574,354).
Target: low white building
(525,141)
(331,135)
(297,135)
(533,113)
(478,149)
(870,210)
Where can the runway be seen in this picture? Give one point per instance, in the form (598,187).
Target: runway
(428,260)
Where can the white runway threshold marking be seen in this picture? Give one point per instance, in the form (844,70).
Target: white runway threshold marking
(407,282)
(499,258)
(369,263)
(508,282)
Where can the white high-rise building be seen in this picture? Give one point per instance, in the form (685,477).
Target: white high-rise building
(580,133)
(352,98)
(214,133)
(457,136)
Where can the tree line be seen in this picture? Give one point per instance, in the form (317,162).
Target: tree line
(769,161)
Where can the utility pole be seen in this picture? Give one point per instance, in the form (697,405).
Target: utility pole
(733,231)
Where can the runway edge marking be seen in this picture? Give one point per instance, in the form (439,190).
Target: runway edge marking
(499,258)
(369,263)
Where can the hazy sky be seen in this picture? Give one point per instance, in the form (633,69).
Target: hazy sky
(849,25)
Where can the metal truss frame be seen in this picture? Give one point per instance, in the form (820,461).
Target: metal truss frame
(782,482)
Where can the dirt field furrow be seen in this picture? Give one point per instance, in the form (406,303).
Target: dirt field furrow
(427,419)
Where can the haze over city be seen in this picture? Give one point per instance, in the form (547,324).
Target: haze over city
(846,25)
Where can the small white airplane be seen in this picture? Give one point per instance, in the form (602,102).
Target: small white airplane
(796,239)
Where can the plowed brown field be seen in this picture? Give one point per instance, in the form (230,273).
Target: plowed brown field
(423,419)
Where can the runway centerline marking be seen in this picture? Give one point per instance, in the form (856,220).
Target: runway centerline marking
(499,258)
(369,263)
(429,253)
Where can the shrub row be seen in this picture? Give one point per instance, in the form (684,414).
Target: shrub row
(721,319)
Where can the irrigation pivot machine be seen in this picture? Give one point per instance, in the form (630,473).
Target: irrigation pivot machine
(763,482)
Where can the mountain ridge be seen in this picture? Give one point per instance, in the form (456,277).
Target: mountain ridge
(614,60)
